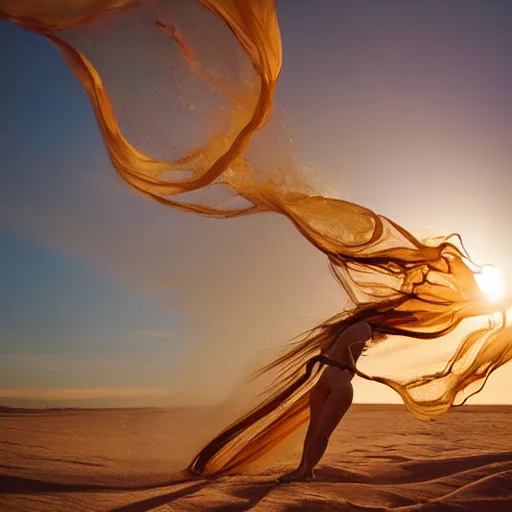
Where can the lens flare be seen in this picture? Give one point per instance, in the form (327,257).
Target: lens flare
(491,282)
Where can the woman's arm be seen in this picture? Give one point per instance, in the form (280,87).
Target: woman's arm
(322,359)
(332,362)
(350,344)
(357,334)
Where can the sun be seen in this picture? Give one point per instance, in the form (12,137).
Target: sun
(491,283)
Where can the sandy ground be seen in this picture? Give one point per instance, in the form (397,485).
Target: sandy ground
(381,458)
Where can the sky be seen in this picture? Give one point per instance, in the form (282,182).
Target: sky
(108,299)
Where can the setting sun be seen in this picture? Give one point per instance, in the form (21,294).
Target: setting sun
(490,280)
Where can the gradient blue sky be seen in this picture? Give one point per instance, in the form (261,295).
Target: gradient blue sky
(107,298)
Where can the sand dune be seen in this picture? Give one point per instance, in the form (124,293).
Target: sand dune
(130,460)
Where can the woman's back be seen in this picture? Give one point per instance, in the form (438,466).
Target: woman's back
(353,338)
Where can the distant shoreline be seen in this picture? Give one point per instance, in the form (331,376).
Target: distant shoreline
(487,408)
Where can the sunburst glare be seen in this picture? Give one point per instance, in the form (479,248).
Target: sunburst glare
(491,282)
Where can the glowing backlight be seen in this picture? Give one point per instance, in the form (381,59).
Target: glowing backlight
(490,280)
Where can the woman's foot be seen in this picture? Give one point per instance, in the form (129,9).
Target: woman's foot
(298,475)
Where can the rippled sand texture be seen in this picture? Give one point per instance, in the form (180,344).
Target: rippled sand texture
(381,458)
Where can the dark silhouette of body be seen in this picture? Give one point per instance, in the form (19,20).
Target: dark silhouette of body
(331,397)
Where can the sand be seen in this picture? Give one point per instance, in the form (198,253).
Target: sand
(380,458)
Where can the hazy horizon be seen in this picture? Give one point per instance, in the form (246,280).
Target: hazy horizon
(400,107)
(38,406)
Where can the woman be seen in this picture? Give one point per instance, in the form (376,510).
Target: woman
(323,396)
(303,391)
(331,397)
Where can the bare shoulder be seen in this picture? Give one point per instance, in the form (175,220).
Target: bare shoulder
(360,330)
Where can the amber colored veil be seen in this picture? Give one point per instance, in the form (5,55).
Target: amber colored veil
(397,283)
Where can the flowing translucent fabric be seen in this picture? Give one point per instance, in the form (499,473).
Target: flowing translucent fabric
(217,63)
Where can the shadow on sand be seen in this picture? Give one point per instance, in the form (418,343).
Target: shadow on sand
(476,478)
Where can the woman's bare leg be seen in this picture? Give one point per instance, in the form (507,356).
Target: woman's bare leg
(335,407)
(318,398)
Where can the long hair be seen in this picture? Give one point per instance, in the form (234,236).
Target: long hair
(397,283)
(286,407)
